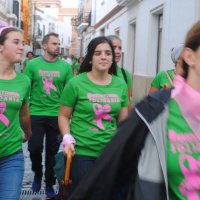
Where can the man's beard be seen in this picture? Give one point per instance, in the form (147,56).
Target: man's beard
(53,54)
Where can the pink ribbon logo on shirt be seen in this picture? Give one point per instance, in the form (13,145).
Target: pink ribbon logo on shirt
(3,118)
(191,184)
(101,113)
(48,84)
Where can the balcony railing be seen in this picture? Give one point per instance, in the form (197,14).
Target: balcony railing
(82,20)
(126,2)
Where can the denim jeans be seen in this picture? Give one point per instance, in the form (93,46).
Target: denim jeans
(11,176)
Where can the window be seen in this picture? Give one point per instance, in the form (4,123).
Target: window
(131,44)
(117,32)
(102,32)
(160,26)
(43,31)
(155,43)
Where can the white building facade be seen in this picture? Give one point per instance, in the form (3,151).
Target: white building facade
(47,17)
(148,30)
(10,12)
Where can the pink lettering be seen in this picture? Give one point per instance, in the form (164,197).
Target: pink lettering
(191,184)
(103,98)
(183,137)
(49,73)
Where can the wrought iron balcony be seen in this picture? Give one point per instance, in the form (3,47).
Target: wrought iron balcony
(81,21)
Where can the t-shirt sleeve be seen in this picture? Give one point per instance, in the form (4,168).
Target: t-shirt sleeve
(69,94)
(124,98)
(129,79)
(157,80)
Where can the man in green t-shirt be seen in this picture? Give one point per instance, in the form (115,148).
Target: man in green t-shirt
(48,74)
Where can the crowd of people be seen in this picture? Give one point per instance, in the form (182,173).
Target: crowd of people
(146,152)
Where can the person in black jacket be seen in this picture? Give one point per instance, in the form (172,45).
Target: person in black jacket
(155,148)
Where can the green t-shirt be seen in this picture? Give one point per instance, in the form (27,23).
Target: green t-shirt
(120,75)
(76,66)
(183,155)
(47,83)
(95,112)
(13,94)
(25,62)
(161,79)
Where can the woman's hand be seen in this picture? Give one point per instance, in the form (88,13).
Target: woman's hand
(68,143)
(25,138)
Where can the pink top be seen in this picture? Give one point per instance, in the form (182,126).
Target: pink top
(189,101)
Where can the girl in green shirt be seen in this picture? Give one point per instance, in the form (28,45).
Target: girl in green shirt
(92,105)
(14,116)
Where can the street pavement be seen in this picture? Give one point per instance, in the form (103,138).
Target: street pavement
(28,174)
(26,193)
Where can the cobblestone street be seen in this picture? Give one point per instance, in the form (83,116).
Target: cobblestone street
(27,193)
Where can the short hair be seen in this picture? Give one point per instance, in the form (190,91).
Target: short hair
(192,41)
(176,52)
(80,58)
(86,66)
(29,52)
(5,31)
(113,37)
(46,37)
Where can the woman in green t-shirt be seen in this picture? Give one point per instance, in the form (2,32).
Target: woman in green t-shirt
(121,71)
(77,65)
(164,79)
(14,117)
(29,56)
(92,105)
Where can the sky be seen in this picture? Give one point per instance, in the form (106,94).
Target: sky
(70,3)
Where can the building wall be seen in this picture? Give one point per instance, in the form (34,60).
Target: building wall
(67,32)
(175,26)
(101,8)
(51,17)
(6,12)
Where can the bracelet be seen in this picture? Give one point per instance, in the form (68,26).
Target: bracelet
(68,139)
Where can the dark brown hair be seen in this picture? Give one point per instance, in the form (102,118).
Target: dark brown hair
(5,32)
(46,37)
(86,66)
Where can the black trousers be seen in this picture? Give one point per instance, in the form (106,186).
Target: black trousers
(80,167)
(44,126)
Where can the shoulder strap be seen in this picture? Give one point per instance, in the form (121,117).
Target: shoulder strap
(169,78)
(124,75)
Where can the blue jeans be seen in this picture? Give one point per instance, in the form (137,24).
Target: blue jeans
(11,176)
